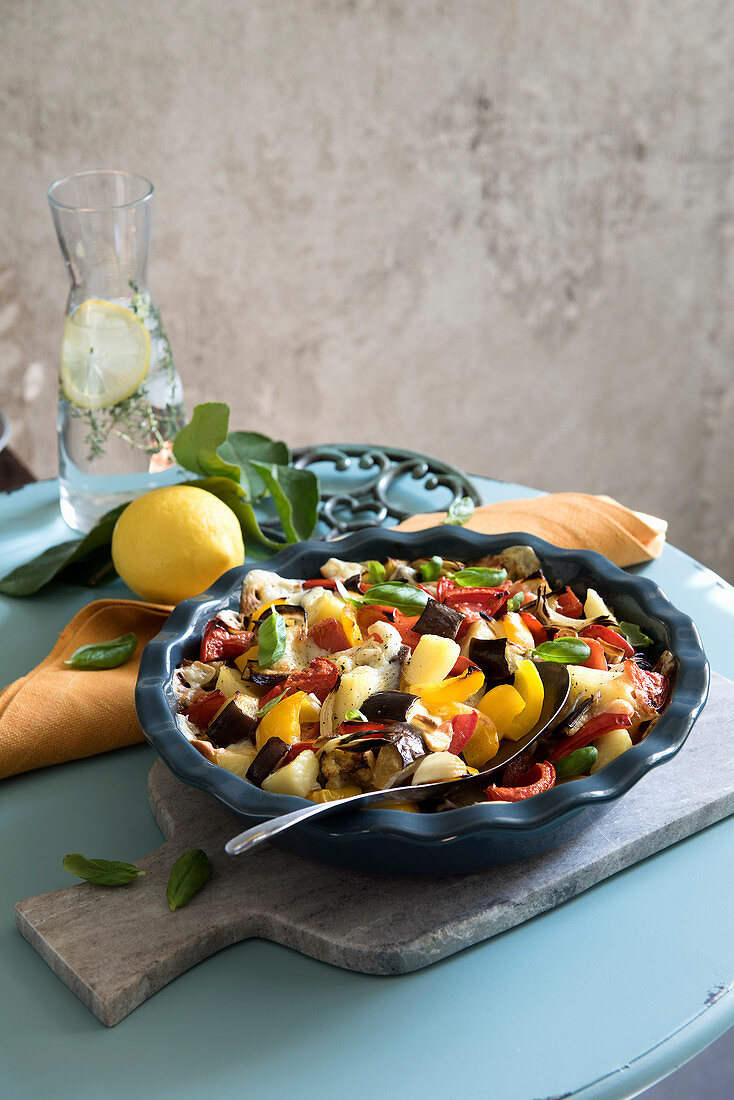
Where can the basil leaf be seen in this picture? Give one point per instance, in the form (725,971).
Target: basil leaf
(295,494)
(271,703)
(405,597)
(101,872)
(431,570)
(271,638)
(515,602)
(377,572)
(565,651)
(354,716)
(634,635)
(188,875)
(110,654)
(576,763)
(196,444)
(241,448)
(460,511)
(477,577)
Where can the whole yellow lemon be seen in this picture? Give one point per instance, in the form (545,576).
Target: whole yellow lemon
(174,542)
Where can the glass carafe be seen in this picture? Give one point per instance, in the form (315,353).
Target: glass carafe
(120,396)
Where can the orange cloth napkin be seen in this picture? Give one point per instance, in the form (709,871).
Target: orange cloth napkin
(57,713)
(576,521)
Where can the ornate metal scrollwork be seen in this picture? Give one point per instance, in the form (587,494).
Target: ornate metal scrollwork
(364,489)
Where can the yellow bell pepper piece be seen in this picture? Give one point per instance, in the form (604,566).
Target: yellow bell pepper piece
(483,744)
(250,655)
(328,795)
(282,720)
(310,709)
(265,609)
(457,689)
(348,620)
(503,705)
(515,709)
(516,631)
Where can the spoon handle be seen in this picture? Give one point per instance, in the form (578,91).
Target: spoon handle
(250,838)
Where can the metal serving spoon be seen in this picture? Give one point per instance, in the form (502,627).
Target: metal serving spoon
(556,685)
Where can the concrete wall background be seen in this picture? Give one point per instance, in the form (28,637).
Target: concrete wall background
(496,232)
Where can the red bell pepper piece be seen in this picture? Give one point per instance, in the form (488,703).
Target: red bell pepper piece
(361,727)
(462,665)
(369,614)
(597,657)
(318,679)
(296,749)
(570,605)
(606,634)
(536,628)
(319,582)
(279,689)
(404,625)
(541,778)
(650,685)
(589,732)
(329,634)
(462,729)
(202,712)
(218,643)
(444,587)
(478,597)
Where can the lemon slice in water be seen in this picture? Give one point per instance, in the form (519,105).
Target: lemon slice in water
(105,354)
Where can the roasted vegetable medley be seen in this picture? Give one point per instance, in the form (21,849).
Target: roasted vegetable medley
(395,673)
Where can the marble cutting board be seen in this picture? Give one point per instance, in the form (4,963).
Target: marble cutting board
(91,936)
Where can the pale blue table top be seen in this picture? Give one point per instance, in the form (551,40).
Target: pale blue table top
(598,998)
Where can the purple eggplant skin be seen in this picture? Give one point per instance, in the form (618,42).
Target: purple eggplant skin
(408,743)
(388,706)
(439,619)
(265,679)
(490,655)
(230,725)
(266,761)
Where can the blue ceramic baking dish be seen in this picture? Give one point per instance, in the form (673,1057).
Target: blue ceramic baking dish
(457,841)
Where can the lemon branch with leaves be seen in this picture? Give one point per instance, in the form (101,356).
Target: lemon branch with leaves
(245,470)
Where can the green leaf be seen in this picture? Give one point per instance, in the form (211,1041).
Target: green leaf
(271,639)
(104,654)
(79,560)
(576,763)
(460,511)
(196,444)
(272,702)
(377,572)
(101,872)
(234,496)
(564,651)
(354,716)
(188,875)
(243,448)
(634,635)
(515,602)
(28,578)
(296,497)
(405,597)
(431,570)
(478,577)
